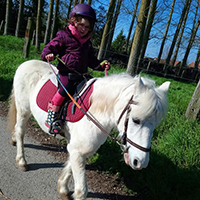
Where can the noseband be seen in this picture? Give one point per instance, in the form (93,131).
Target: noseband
(124,138)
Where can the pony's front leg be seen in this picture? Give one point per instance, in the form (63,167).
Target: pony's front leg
(19,137)
(78,169)
(63,181)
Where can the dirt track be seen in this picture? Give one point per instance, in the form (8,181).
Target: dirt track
(45,157)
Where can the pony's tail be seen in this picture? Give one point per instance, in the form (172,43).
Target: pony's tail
(11,118)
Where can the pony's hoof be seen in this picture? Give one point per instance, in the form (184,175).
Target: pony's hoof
(64,196)
(23,168)
(13,143)
(22,165)
(77,195)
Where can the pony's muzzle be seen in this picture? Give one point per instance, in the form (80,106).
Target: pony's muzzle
(137,164)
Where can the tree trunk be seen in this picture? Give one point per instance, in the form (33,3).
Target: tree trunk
(69,8)
(138,37)
(106,30)
(53,30)
(197,59)
(192,38)
(147,31)
(47,32)
(19,19)
(7,17)
(81,1)
(180,37)
(166,31)
(89,2)
(187,3)
(131,26)
(112,30)
(38,25)
(75,3)
(1,27)
(193,109)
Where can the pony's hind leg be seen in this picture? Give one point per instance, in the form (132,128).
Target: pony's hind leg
(63,181)
(11,118)
(19,133)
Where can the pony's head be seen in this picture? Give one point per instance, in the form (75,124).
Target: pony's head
(143,108)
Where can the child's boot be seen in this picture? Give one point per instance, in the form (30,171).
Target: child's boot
(54,127)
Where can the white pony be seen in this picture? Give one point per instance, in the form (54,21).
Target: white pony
(133,105)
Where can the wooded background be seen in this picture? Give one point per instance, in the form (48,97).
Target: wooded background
(171,25)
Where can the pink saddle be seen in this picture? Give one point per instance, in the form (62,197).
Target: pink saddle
(48,90)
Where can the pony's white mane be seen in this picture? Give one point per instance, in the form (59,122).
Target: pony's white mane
(120,87)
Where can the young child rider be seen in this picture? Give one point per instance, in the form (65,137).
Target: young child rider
(73,46)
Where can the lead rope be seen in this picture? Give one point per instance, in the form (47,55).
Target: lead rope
(89,116)
(77,71)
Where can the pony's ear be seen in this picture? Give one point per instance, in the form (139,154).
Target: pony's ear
(139,84)
(165,86)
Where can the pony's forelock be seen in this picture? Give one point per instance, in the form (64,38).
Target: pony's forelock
(120,87)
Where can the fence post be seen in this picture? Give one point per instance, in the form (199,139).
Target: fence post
(27,39)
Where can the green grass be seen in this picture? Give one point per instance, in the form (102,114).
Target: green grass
(174,168)
(11,57)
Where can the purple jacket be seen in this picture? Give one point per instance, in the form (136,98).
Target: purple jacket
(75,55)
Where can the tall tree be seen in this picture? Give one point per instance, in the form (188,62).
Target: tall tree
(89,2)
(38,25)
(53,28)
(197,61)
(75,3)
(47,32)
(118,44)
(7,17)
(105,36)
(138,37)
(19,19)
(193,109)
(191,41)
(180,37)
(69,8)
(166,31)
(147,31)
(131,26)
(113,24)
(187,3)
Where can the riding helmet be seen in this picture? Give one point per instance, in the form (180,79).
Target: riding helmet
(84,10)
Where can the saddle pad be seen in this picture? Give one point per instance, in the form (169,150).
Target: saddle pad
(84,102)
(47,92)
(45,95)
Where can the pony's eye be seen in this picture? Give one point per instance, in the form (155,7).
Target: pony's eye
(136,121)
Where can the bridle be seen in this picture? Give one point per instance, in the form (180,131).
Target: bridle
(124,138)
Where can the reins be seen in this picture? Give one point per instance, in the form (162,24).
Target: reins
(100,126)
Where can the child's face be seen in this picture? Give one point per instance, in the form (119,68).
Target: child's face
(83,26)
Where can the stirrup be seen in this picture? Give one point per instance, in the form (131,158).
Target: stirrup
(56,127)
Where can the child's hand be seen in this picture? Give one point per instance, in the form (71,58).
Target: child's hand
(105,64)
(50,57)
